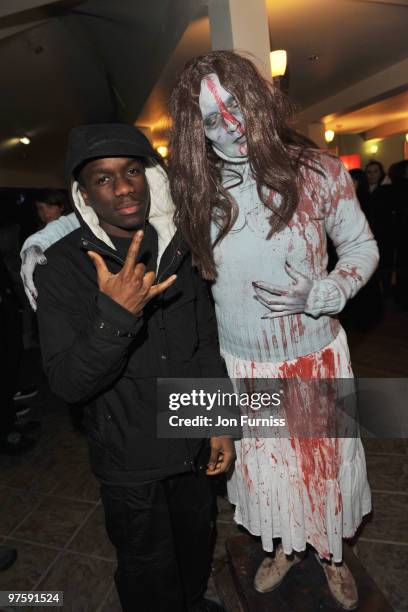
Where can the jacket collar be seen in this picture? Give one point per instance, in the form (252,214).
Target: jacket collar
(160,216)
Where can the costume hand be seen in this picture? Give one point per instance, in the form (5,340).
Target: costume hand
(283,301)
(221,457)
(30,258)
(132,287)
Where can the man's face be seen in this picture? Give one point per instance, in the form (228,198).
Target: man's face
(117,189)
(48,212)
(224,125)
(373,174)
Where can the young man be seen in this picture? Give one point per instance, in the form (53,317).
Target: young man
(107,332)
(50,204)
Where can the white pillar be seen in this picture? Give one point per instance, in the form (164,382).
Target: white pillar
(316,133)
(242,26)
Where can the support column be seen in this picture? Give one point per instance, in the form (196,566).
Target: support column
(316,133)
(242,26)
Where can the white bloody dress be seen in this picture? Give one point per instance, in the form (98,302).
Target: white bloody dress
(300,490)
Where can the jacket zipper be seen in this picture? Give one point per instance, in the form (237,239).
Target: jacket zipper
(85,243)
(176,253)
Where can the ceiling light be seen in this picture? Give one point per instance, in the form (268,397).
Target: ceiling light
(278,61)
(163,150)
(313,58)
(24,140)
(329,135)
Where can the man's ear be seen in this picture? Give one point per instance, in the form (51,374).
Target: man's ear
(84,194)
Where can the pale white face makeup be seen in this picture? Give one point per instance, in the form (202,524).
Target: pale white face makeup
(223,121)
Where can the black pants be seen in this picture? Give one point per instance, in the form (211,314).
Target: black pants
(11,348)
(163,535)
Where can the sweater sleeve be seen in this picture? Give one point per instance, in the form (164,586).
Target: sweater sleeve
(52,232)
(354,242)
(85,346)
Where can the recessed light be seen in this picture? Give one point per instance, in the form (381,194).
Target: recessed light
(313,58)
(162,150)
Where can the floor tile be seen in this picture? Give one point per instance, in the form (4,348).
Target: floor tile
(38,476)
(84,581)
(225,510)
(224,531)
(8,467)
(112,603)
(92,538)
(55,464)
(396,446)
(54,521)
(388,566)
(388,473)
(81,484)
(15,505)
(32,562)
(389,519)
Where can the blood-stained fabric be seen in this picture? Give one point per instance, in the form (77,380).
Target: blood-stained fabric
(302,490)
(327,206)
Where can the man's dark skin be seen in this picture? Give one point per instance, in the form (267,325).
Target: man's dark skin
(117,190)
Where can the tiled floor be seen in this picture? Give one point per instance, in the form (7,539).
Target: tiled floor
(50,509)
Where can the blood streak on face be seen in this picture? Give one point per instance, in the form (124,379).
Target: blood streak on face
(224,125)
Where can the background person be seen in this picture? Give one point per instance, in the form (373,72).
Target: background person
(380,211)
(50,204)
(398,174)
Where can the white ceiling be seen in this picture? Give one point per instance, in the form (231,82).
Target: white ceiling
(352,38)
(392,111)
(73,61)
(345,35)
(70,62)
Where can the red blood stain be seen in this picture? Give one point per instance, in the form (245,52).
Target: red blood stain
(328,363)
(265,339)
(226,115)
(293,328)
(246,476)
(301,327)
(351,273)
(283,333)
(308,409)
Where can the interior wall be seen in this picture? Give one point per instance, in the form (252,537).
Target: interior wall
(390,150)
(20,178)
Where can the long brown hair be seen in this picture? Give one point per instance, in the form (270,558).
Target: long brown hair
(275,153)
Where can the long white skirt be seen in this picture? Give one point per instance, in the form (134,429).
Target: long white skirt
(300,490)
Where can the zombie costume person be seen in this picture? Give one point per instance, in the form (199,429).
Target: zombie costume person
(255,205)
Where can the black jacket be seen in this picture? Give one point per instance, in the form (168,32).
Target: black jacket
(115,375)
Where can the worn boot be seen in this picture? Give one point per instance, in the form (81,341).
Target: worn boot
(341,583)
(272,570)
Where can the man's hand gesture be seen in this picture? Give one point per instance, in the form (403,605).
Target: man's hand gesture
(132,287)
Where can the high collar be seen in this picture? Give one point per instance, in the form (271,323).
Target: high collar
(230,160)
